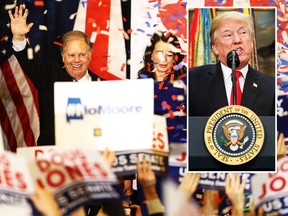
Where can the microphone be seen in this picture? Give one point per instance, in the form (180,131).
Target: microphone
(232,59)
(233,62)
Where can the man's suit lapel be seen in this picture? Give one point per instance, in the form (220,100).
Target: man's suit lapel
(216,87)
(250,89)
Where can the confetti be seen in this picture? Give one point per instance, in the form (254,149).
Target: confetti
(38,3)
(30,53)
(170,128)
(171,113)
(161,85)
(165,105)
(174,97)
(140,30)
(122,67)
(148,24)
(149,16)
(4,38)
(37,48)
(93,37)
(71,17)
(126,36)
(157,5)
(107,24)
(10,6)
(43,27)
(57,43)
(180,107)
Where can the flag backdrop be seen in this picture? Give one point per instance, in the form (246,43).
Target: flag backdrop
(102,21)
(19,114)
(18,105)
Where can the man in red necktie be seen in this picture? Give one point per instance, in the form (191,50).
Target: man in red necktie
(210,86)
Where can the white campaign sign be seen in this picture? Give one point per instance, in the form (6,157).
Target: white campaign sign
(160,135)
(30,153)
(111,114)
(16,184)
(157,152)
(178,154)
(270,186)
(75,176)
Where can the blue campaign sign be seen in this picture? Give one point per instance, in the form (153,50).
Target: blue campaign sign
(282,114)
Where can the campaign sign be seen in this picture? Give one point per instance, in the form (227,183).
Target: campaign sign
(16,184)
(76,177)
(117,115)
(157,153)
(32,152)
(177,161)
(271,189)
(177,173)
(282,113)
(216,180)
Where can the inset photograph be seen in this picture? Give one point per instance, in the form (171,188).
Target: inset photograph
(231,90)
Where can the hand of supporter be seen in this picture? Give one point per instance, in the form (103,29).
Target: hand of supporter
(79,212)
(138,209)
(128,187)
(19,26)
(45,202)
(235,192)
(147,179)
(210,202)
(281,147)
(189,184)
(109,157)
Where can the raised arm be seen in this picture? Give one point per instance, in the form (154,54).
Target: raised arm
(19,26)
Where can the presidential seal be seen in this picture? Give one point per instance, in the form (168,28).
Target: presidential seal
(234,135)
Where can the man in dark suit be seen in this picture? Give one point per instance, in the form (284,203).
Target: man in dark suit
(210,85)
(76,55)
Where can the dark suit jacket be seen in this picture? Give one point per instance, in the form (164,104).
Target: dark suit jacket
(43,76)
(207,91)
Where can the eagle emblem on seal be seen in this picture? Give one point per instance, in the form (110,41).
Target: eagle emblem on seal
(234,134)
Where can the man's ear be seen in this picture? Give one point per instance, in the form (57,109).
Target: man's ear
(215,49)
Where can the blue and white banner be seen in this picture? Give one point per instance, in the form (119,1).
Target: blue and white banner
(282,113)
(216,180)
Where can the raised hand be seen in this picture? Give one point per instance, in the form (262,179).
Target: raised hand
(281,147)
(147,179)
(19,27)
(235,192)
(189,184)
(45,202)
(109,157)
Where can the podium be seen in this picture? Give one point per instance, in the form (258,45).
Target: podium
(200,159)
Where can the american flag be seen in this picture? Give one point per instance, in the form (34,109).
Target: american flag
(103,21)
(19,114)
